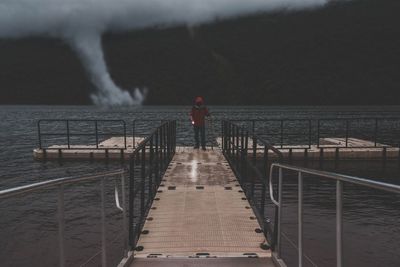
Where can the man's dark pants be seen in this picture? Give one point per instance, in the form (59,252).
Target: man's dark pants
(200,130)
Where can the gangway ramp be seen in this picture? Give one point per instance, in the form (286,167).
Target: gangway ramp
(201,217)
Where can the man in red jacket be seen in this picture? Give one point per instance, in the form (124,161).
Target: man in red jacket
(197,116)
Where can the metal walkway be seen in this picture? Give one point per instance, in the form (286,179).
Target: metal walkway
(201,214)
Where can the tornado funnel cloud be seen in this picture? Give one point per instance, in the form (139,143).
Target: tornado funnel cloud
(88,47)
(82,22)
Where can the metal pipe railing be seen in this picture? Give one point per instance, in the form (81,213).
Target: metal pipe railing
(147,165)
(340,180)
(282,132)
(60,184)
(308,131)
(155,122)
(68,134)
(328,127)
(144,127)
(243,160)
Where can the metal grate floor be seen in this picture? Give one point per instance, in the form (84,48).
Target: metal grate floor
(201,209)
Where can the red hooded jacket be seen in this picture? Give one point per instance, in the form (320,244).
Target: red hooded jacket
(199,112)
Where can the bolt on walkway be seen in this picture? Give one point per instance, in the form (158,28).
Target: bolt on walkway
(200,213)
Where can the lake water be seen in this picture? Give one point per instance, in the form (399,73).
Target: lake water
(28,224)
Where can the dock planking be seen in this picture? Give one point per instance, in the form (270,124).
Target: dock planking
(200,215)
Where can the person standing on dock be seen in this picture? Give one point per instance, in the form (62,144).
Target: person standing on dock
(197,116)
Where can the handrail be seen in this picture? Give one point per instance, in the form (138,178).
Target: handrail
(134,122)
(280,133)
(268,145)
(146,166)
(245,133)
(340,179)
(344,178)
(180,121)
(312,131)
(60,183)
(243,159)
(346,130)
(68,133)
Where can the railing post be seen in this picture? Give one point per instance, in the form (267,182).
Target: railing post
(318,133)
(309,134)
(339,223)
(300,218)
(223,137)
(68,144)
(165,144)
(246,141)
(96,134)
(131,200)
(279,213)
(232,142)
(255,149)
(242,155)
(167,141)
(133,134)
(124,223)
(39,135)
(124,134)
(347,132)
(174,137)
(229,137)
(103,225)
(237,147)
(161,148)
(157,154)
(281,133)
(165,133)
(150,172)
(61,225)
(376,132)
(143,174)
(170,142)
(263,193)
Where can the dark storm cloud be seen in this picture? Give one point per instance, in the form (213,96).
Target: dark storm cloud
(82,22)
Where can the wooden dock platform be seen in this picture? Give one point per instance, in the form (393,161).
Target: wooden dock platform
(200,216)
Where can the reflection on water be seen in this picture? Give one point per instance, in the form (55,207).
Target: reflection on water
(29,227)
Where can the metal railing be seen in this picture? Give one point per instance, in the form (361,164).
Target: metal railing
(147,166)
(251,169)
(150,123)
(340,180)
(69,132)
(367,128)
(142,127)
(59,184)
(282,132)
(303,133)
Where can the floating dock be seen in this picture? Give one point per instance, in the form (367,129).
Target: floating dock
(113,148)
(200,216)
(333,149)
(329,149)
